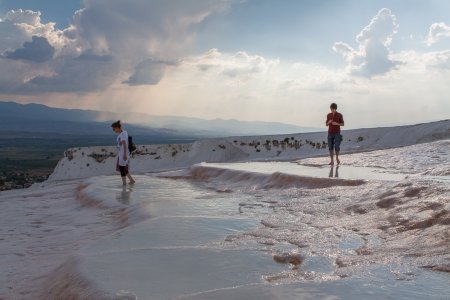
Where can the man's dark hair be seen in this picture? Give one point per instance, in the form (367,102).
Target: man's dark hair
(333,106)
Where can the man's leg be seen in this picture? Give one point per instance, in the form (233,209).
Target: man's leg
(124,180)
(331,147)
(337,147)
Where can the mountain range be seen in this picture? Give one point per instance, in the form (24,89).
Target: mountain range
(40,118)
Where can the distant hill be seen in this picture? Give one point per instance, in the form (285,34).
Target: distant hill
(41,118)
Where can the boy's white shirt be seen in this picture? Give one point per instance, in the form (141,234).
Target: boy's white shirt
(123,136)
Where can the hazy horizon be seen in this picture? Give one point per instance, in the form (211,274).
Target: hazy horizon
(124,118)
(385,63)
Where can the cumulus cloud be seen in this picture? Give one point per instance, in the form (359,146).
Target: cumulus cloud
(38,50)
(19,26)
(13,31)
(138,36)
(438,60)
(372,57)
(240,65)
(25,17)
(243,64)
(25,41)
(437,32)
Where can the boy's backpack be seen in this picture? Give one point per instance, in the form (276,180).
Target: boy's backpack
(131,145)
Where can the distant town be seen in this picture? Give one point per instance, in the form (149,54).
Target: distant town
(18,180)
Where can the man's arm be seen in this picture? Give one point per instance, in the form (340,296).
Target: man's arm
(341,123)
(338,124)
(328,121)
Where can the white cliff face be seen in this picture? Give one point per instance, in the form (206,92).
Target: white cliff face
(93,161)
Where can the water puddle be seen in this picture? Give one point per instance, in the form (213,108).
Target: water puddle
(168,273)
(172,232)
(167,257)
(161,197)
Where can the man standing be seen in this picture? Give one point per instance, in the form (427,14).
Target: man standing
(334,122)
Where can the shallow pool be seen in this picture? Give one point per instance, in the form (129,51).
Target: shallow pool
(186,248)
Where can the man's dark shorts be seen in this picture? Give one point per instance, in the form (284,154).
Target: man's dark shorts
(334,141)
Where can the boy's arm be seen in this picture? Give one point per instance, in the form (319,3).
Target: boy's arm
(124,144)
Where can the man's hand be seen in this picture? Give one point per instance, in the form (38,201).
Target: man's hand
(336,123)
(124,157)
(329,122)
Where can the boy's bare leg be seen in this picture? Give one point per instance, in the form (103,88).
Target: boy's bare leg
(124,180)
(132,181)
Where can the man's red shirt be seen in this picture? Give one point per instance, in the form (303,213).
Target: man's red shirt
(337,117)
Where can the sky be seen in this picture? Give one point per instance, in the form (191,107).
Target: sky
(383,62)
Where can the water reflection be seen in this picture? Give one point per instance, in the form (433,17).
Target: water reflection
(332,171)
(123,196)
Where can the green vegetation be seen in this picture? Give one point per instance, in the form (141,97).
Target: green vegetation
(26,158)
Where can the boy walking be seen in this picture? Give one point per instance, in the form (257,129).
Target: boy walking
(123,157)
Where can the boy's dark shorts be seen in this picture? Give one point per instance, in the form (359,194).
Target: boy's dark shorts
(123,170)
(334,141)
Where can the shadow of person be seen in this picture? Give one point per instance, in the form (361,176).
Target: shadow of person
(337,172)
(124,195)
(331,171)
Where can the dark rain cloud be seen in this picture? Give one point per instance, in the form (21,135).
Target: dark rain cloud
(112,35)
(38,50)
(148,72)
(85,73)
